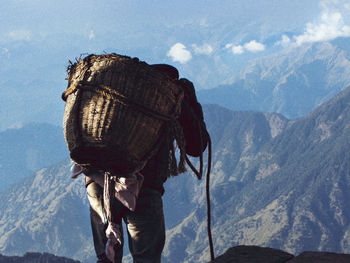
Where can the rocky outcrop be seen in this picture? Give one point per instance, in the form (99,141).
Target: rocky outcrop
(255,254)
(36,258)
(320,257)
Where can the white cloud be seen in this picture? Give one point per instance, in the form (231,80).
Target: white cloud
(205,49)
(284,42)
(179,53)
(333,22)
(20,35)
(237,49)
(254,46)
(91,34)
(331,27)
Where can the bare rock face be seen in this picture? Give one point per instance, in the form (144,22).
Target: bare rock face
(320,257)
(253,254)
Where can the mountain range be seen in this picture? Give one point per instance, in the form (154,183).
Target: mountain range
(291,82)
(275,182)
(285,185)
(46,212)
(27,149)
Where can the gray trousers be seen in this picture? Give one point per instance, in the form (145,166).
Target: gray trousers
(145,226)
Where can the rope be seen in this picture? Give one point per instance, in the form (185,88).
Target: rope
(199,176)
(199,173)
(118,97)
(211,246)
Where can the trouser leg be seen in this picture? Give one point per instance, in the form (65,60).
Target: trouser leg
(99,236)
(99,223)
(146,228)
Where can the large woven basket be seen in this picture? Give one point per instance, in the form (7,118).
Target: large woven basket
(116,110)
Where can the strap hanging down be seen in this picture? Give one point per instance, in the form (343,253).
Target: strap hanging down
(199,176)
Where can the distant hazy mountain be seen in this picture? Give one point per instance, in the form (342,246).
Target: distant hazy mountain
(46,212)
(28,149)
(275,182)
(291,82)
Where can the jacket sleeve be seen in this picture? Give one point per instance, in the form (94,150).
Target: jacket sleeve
(192,121)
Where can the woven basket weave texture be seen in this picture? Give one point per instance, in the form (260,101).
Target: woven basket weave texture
(116,108)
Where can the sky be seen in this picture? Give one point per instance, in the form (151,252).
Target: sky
(183,33)
(37,20)
(208,41)
(92,21)
(333,21)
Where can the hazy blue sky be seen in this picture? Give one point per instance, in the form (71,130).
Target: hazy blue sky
(208,41)
(171,30)
(202,27)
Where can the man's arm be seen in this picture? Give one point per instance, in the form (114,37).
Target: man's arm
(192,120)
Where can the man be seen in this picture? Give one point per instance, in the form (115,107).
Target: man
(145,225)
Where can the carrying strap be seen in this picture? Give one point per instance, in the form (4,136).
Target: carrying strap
(176,133)
(108,196)
(116,96)
(211,246)
(199,174)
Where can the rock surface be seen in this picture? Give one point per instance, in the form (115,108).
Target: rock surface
(320,257)
(255,254)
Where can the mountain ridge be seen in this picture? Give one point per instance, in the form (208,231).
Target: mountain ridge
(34,212)
(291,82)
(269,205)
(275,182)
